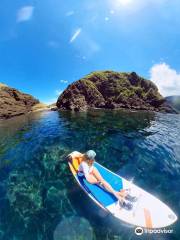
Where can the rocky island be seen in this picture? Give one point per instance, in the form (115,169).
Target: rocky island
(14,103)
(113,90)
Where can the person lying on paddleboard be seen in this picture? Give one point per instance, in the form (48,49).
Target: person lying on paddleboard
(92,175)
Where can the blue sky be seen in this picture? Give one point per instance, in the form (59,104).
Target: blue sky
(47,44)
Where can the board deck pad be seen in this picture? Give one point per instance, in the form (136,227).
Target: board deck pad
(101,195)
(148,211)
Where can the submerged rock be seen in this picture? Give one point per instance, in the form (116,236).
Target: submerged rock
(37,190)
(14,103)
(113,90)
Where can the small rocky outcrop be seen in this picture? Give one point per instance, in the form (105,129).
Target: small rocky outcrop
(174,101)
(53,107)
(14,103)
(113,90)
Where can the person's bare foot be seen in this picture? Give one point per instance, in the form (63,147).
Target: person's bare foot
(119,196)
(123,193)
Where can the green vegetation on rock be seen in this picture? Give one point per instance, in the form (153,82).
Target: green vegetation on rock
(112,90)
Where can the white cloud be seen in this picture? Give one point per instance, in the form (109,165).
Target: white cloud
(93,46)
(63,81)
(53,44)
(69,13)
(75,35)
(166,78)
(25,13)
(111,11)
(86,42)
(58,92)
(134,6)
(125,2)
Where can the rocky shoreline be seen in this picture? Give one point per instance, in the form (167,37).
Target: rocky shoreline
(15,103)
(98,90)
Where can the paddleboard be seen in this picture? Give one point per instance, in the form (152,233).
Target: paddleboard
(147,212)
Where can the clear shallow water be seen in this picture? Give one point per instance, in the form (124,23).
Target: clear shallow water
(40,200)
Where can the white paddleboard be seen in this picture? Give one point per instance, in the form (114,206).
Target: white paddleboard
(148,211)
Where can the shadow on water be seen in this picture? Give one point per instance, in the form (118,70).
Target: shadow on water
(38,196)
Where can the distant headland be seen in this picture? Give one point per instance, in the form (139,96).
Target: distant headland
(174,101)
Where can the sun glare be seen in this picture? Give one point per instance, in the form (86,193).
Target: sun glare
(125,2)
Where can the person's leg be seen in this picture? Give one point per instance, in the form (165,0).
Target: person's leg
(119,195)
(97,174)
(91,179)
(105,184)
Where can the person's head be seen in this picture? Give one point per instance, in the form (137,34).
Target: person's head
(89,157)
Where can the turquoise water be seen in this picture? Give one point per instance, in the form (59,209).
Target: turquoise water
(38,196)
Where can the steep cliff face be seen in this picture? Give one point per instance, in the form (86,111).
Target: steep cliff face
(14,102)
(112,90)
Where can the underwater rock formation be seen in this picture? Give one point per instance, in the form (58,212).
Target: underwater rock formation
(36,194)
